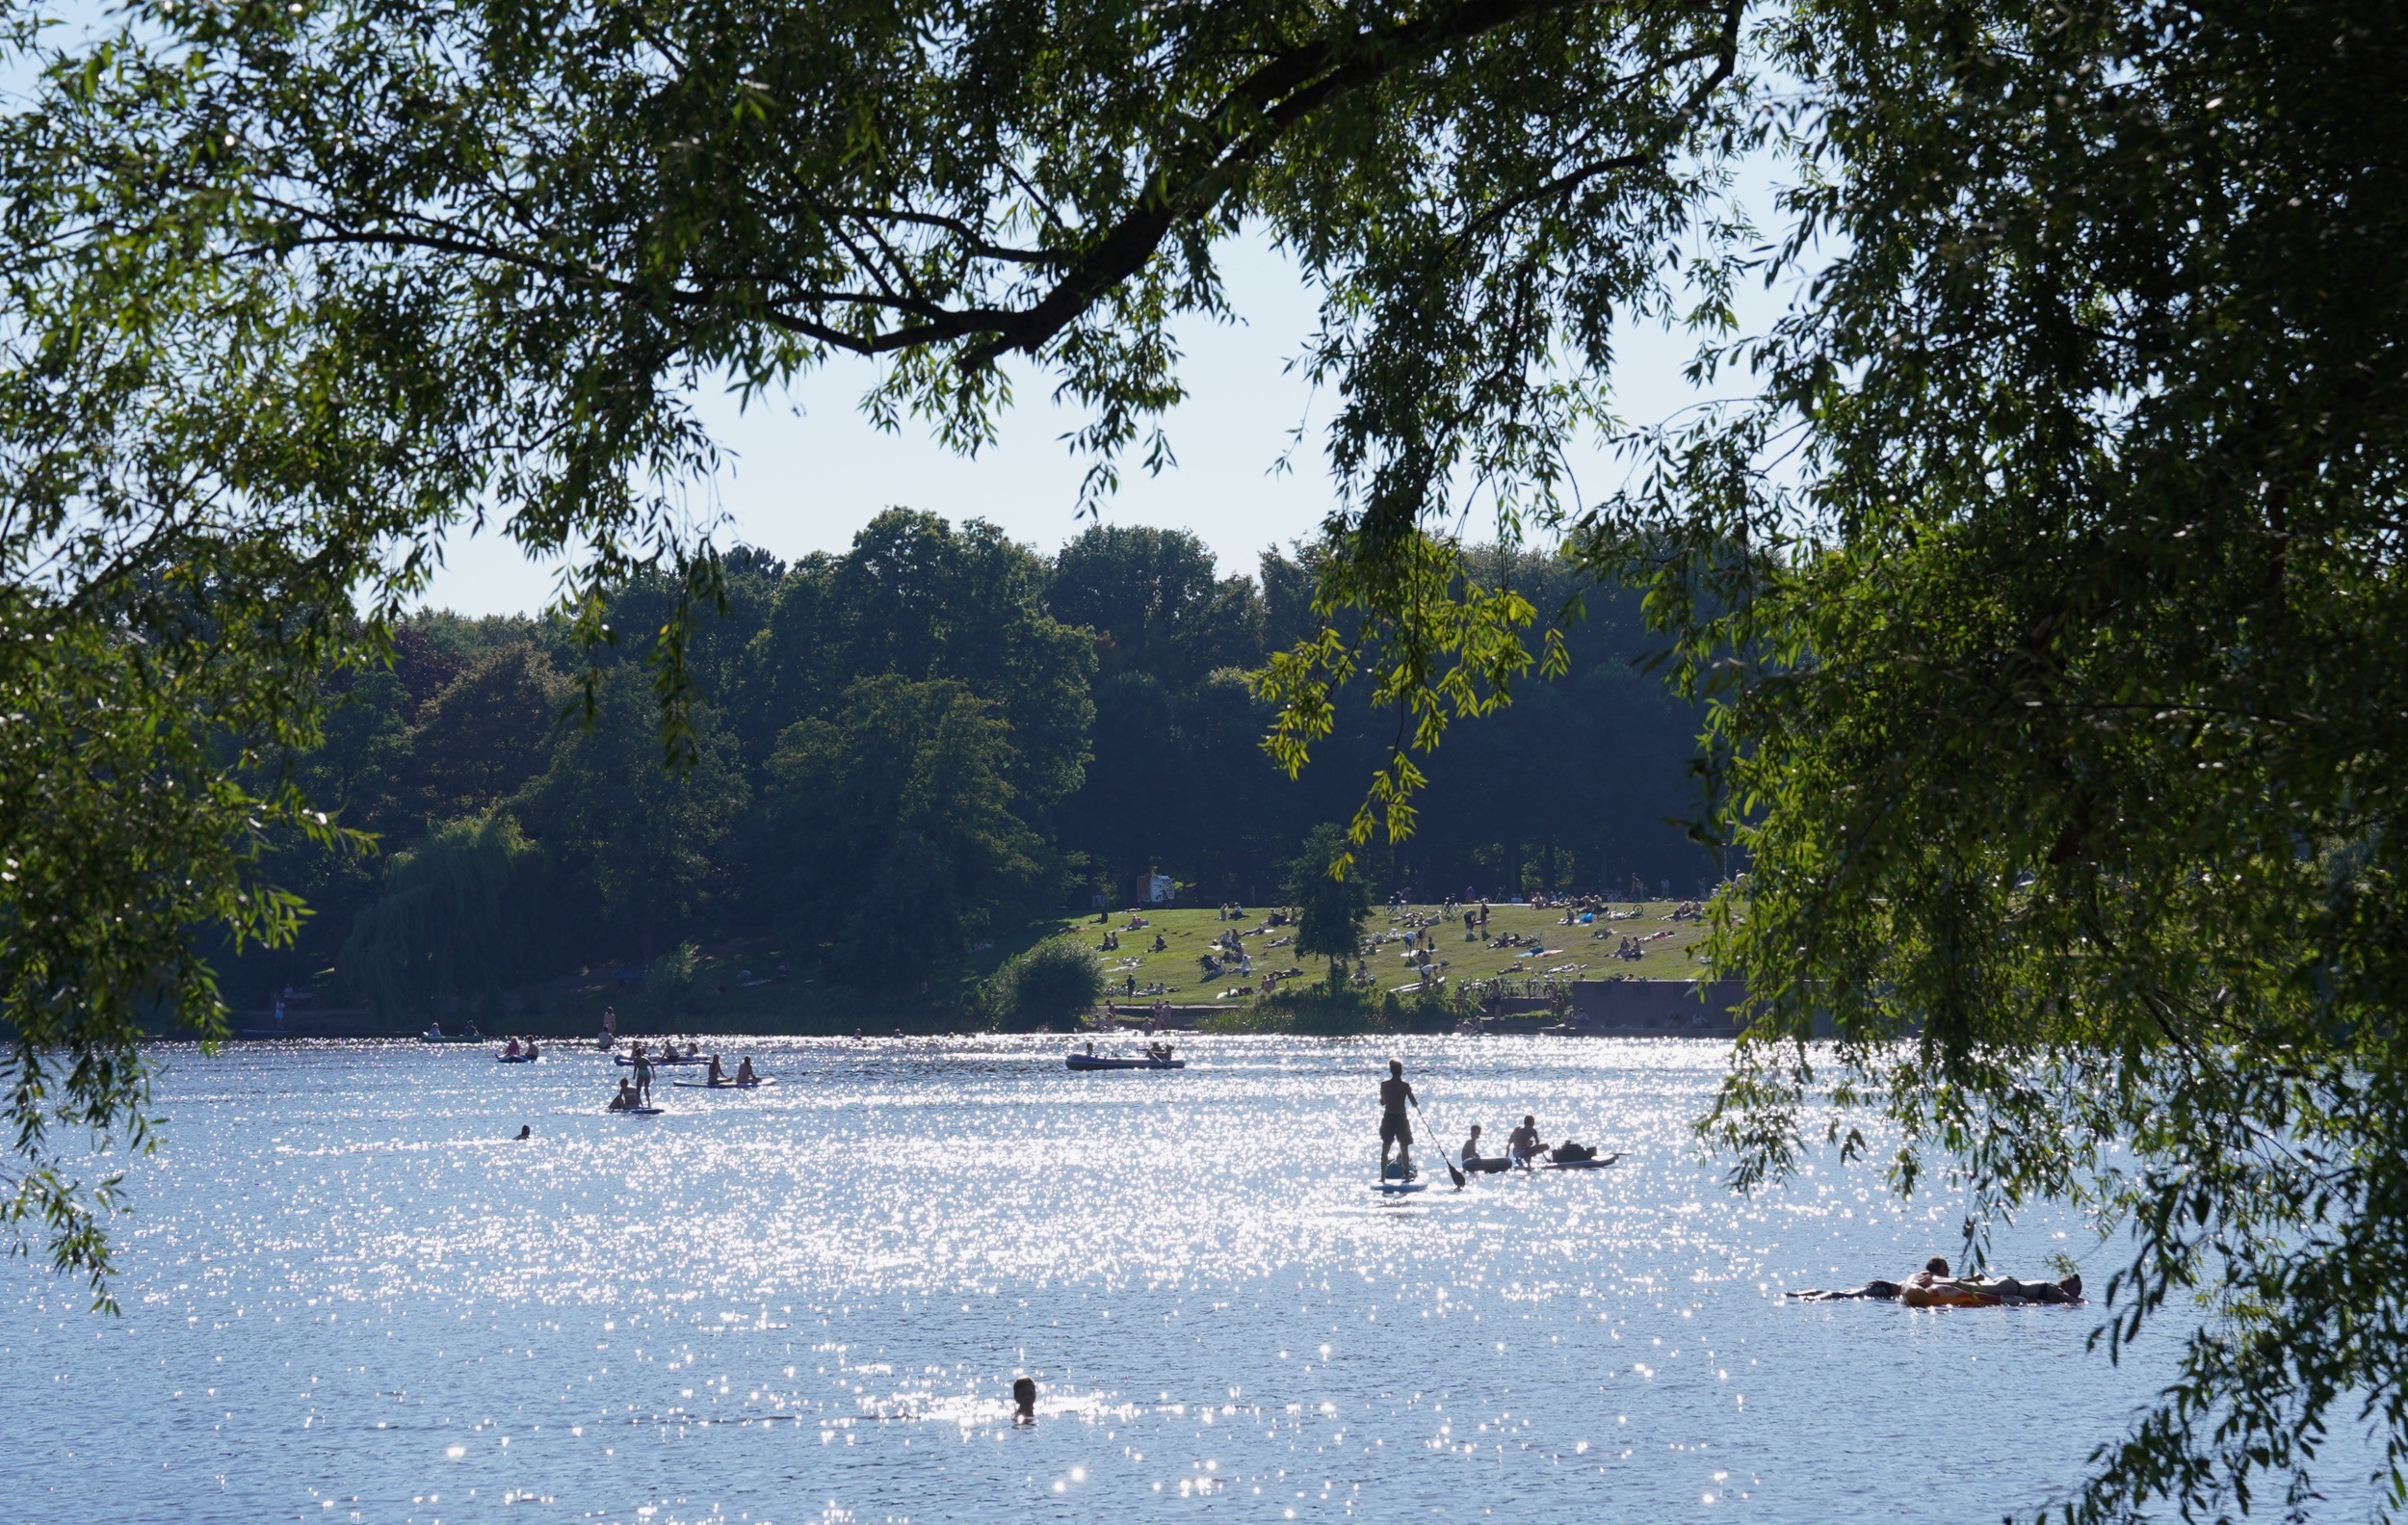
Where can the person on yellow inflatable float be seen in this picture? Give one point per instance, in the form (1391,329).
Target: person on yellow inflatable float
(1932,1287)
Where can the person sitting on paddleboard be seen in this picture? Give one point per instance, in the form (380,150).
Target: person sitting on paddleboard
(1395,1127)
(715,1076)
(509,1050)
(1471,1148)
(626,1099)
(744,1072)
(1522,1144)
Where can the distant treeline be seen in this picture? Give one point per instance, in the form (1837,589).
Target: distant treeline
(911,749)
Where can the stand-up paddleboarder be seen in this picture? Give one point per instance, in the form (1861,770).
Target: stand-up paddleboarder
(1395,1124)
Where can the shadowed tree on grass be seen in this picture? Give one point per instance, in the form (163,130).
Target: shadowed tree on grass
(1332,903)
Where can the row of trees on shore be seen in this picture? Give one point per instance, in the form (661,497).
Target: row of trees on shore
(905,752)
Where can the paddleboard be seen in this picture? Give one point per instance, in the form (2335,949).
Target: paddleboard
(637,1112)
(661,1063)
(1598,1164)
(1391,1188)
(704,1085)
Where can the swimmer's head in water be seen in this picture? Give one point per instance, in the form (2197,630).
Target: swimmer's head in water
(1936,1266)
(1395,1067)
(1023,1394)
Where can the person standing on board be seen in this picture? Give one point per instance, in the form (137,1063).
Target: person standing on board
(1395,1126)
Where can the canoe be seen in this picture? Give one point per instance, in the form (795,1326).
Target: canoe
(725,1085)
(1114,1062)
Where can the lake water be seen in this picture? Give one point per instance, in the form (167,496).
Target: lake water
(351,1295)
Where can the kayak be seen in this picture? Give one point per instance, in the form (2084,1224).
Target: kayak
(1114,1062)
(516,1059)
(725,1085)
(449,1037)
(661,1063)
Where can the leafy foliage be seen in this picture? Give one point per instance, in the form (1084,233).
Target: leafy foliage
(460,917)
(2061,707)
(896,825)
(1050,987)
(1332,903)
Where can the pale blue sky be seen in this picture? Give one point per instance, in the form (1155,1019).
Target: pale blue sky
(805,472)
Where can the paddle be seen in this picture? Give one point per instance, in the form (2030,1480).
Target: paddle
(1441,1149)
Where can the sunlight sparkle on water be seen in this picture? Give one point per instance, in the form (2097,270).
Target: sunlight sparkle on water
(349,1291)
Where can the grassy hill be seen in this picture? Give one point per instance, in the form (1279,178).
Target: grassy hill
(1546,948)
(751,987)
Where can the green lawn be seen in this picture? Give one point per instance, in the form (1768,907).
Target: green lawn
(1571,952)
